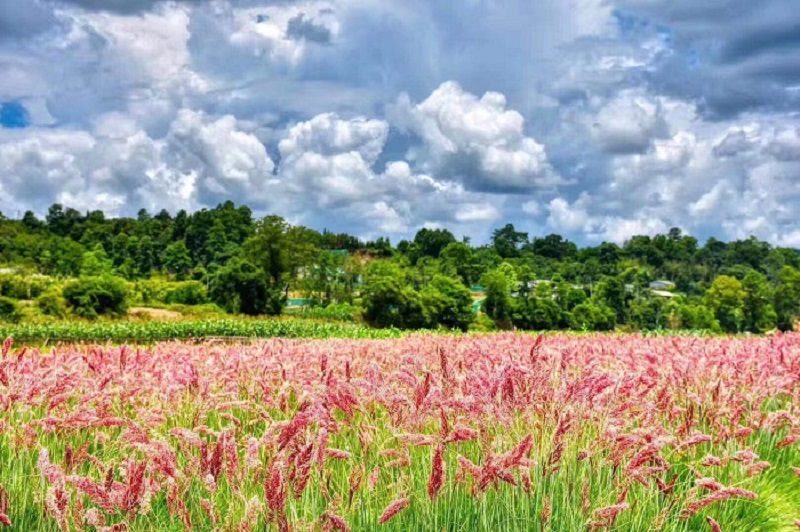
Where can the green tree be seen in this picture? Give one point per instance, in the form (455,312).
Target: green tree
(145,255)
(592,317)
(612,293)
(96,263)
(302,250)
(431,242)
(726,299)
(268,250)
(216,246)
(447,302)
(31,223)
(648,313)
(507,241)
(787,298)
(691,316)
(568,297)
(759,314)
(326,277)
(177,260)
(539,310)
(240,287)
(458,259)
(554,247)
(382,247)
(388,301)
(498,304)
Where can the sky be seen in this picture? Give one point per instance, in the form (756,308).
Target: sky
(595,119)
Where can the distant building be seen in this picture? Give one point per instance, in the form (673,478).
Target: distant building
(662,285)
(663,293)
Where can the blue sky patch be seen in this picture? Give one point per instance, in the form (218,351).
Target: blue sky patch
(13,115)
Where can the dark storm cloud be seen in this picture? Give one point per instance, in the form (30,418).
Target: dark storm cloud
(731,55)
(776,39)
(23,18)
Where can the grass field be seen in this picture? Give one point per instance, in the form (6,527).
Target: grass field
(498,432)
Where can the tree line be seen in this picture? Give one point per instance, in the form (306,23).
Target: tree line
(89,264)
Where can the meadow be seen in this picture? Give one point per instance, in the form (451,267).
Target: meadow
(425,432)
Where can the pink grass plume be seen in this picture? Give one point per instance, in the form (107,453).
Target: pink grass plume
(394,508)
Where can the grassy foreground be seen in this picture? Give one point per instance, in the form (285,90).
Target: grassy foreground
(502,432)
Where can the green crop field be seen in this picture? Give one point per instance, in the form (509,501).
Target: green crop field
(153,331)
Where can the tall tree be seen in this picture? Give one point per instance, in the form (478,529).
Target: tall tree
(177,259)
(431,242)
(447,302)
(508,241)
(726,298)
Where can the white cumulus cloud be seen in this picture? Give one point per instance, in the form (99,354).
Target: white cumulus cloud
(477,140)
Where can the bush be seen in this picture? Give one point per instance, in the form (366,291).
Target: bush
(241,288)
(9,310)
(537,313)
(150,291)
(18,286)
(341,311)
(90,297)
(592,317)
(389,304)
(692,317)
(483,323)
(334,312)
(207,310)
(186,293)
(52,303)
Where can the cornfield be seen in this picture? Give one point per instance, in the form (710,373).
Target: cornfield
(155,331)
(498,432)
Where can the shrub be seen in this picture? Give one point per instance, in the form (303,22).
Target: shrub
(52,303)
(334,312)
(18,286)
(186,293)
(341,311)
(90,297)
(9,309)
(207,310)
(537,313)
(241,288)
(151,290)
(483,323)
(692,317)
(592,317)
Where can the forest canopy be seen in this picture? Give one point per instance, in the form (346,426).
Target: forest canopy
(88,264)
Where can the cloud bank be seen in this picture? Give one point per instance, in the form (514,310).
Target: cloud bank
(598,119)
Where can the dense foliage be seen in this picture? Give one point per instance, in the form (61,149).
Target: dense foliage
(90,297)
(482,433)
(244,265)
